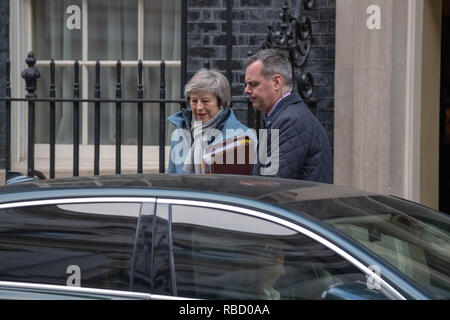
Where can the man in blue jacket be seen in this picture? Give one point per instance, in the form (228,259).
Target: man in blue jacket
(295,145)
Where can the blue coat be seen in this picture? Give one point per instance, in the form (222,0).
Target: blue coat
(304,149)
(182,120)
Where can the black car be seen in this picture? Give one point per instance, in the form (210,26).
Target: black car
(216,237)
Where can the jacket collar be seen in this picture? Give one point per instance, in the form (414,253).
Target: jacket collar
(183,118)
(293,98)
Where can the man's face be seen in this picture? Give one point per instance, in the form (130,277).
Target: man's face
(262,92)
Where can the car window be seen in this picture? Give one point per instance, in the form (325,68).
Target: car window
(412,238)
(85,244)
(226,255)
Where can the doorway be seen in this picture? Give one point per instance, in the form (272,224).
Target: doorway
(444,155)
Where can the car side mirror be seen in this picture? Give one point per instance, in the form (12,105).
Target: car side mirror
(352,291)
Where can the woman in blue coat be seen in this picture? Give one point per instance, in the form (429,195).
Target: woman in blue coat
(209,120)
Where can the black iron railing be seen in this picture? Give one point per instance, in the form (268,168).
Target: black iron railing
(31,75)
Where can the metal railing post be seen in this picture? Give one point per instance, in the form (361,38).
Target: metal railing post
(8,118)
(52,119)
(97,121)
(162,118)
(140,127)
(31,74)
(118,118)
(76,120)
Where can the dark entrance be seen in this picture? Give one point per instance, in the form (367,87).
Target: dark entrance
(444,157)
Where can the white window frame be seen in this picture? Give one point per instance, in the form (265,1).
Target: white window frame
(20,44)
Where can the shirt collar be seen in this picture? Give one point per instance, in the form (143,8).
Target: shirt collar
(267,118)
(276,103)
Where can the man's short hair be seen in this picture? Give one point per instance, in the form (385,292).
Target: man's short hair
(273,62)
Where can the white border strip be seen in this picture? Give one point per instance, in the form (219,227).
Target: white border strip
(297,228)
(83,290)
(162,297)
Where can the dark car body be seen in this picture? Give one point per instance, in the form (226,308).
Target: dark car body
(185,236)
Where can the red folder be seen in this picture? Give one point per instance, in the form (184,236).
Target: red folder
(232,156)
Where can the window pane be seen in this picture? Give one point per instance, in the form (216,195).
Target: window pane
(113,29)
(64,80)
(52,37)
(112,34)
(41,242)
(162,30)
(412,238)
(225,255)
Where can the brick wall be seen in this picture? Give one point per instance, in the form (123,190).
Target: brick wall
(206,41)
(4,54)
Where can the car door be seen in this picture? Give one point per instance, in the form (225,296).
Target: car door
(216,251)
(79,242)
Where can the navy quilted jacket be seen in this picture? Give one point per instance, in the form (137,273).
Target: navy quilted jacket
(304,150)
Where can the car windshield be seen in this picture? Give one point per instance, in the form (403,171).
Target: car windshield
(412,238)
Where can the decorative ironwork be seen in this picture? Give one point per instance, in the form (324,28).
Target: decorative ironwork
(31,74)
(294,35)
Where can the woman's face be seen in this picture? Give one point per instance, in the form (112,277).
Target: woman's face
(204,105)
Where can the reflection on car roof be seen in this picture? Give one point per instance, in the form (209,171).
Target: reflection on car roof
(265,189)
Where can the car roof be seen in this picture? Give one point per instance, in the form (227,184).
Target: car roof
(265,189)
